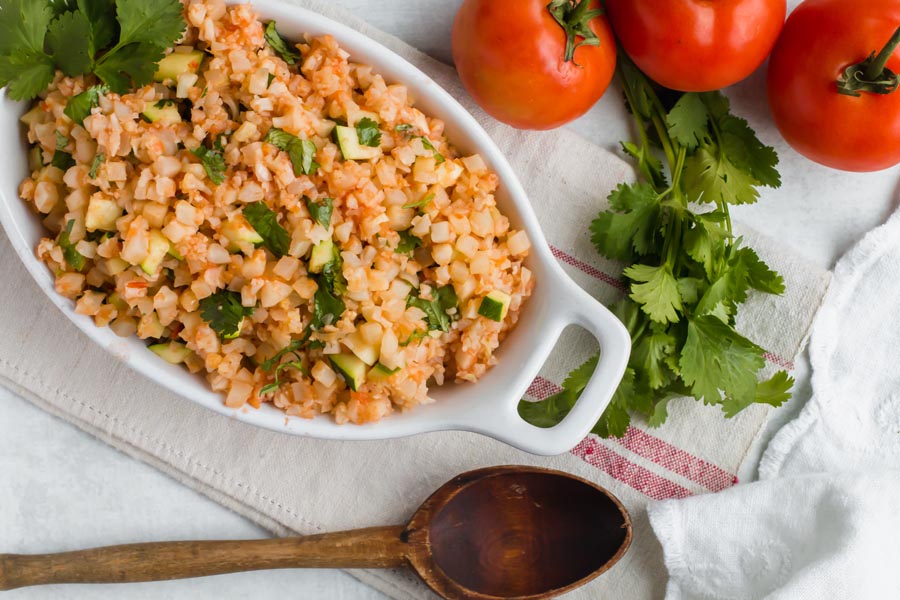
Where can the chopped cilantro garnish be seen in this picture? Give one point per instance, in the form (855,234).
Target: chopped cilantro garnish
(301,152)
(265,221)
(225,313)
(321,213)
(436,310)
(72,256)
(403,127)
(95,165)
(424,201)
(368,133)
(62,159)
(79,106)
(288,53)
(213,163)
(408,242)
(327,307)
(438,157)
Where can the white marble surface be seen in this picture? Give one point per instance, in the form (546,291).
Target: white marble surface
(61,489)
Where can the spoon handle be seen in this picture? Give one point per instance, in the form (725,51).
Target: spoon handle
(376,547)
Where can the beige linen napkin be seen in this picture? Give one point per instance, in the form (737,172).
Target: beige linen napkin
(297,485)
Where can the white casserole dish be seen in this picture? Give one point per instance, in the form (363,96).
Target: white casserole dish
(488,407)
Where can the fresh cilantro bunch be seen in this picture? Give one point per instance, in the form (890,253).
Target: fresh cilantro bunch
(688,274)
(120,41)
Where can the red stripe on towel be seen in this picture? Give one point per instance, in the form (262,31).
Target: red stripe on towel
(655,450)
(621,469)
(586,268)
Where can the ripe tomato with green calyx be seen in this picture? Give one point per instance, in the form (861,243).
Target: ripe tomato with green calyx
(697,45)
(531,64)
(832,83)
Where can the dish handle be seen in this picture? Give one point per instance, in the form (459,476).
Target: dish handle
(584,311)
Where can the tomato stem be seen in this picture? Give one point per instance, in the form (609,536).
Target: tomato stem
(575,18)
(878,65)
(872,75)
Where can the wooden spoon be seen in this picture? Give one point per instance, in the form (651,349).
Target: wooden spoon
(495,533)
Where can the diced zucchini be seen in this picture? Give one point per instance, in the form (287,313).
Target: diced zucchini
(380,373)
(35,158)
(322,254)
(102,214)
(365,352)
(116,265)
(174,253)
(238,231)
(495,305)
(173,352)
(158,248)
(348,141)
(177,63)
(161,112)
(116,300)
(351,369)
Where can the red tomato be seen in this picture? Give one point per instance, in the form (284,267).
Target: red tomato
(821,39)
(697,45)
(511,57)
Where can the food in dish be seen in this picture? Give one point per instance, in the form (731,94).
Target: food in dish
(279,219)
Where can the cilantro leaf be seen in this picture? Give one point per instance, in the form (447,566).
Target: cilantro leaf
(436,310)
(630,228)
(333,274)
(26,75)
(408,242)
(23,25)
(72,256)
(101,14)
(288,53)
(62,159)
(69,40)
(95,165)
(265,221)
(649,355)
(368,133)
(438,157)
(225,313)
(550,411)
(713,177)
(687,120)
(320,213)
(715,357)
(79,106)
(656,290)
(423,202)
(327,308)
(403,127)
(213,163)
(159,23)
(131,65)
(760,276)
(774,392)
(301,152)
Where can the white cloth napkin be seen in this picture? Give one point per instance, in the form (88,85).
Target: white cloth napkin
(296,485)
(823,522)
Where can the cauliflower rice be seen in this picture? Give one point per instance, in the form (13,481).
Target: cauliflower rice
(149,183)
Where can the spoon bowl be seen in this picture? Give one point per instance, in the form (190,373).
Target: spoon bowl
(517,532)
(499,533)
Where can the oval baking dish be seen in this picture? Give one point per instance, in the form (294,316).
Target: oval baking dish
(487,407)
